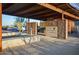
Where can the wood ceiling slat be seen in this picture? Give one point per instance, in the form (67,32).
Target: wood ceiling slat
(6,6)
(35,12)
(35,7)
(26,6)
(39,13)
(16,7)
(46,15)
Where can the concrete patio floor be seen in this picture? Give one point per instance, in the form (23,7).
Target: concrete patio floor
(46,46)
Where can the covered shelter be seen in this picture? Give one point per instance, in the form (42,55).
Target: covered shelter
(62,14)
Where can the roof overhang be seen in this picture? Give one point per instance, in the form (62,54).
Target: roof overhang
(40,11)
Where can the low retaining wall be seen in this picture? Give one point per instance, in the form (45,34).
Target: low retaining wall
(10,34)
(19,41)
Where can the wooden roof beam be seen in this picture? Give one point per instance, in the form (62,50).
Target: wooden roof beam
(52,7)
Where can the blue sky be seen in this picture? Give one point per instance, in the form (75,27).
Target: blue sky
(9,20)
(75,5)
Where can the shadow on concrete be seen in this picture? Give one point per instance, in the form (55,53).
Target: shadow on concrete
(74,34)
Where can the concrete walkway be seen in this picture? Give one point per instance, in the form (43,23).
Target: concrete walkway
(47,46)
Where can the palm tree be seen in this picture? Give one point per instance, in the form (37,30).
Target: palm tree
(19,23)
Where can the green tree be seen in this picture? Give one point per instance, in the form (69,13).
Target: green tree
(19,22)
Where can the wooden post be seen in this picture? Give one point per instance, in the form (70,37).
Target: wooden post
(0,27)
(66,29)
(27,25)
(28,20)
(62,15)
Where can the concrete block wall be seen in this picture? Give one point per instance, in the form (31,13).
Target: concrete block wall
(62,26)
(49,23)
(31,27)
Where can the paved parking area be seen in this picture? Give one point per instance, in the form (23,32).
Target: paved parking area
(47,46)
